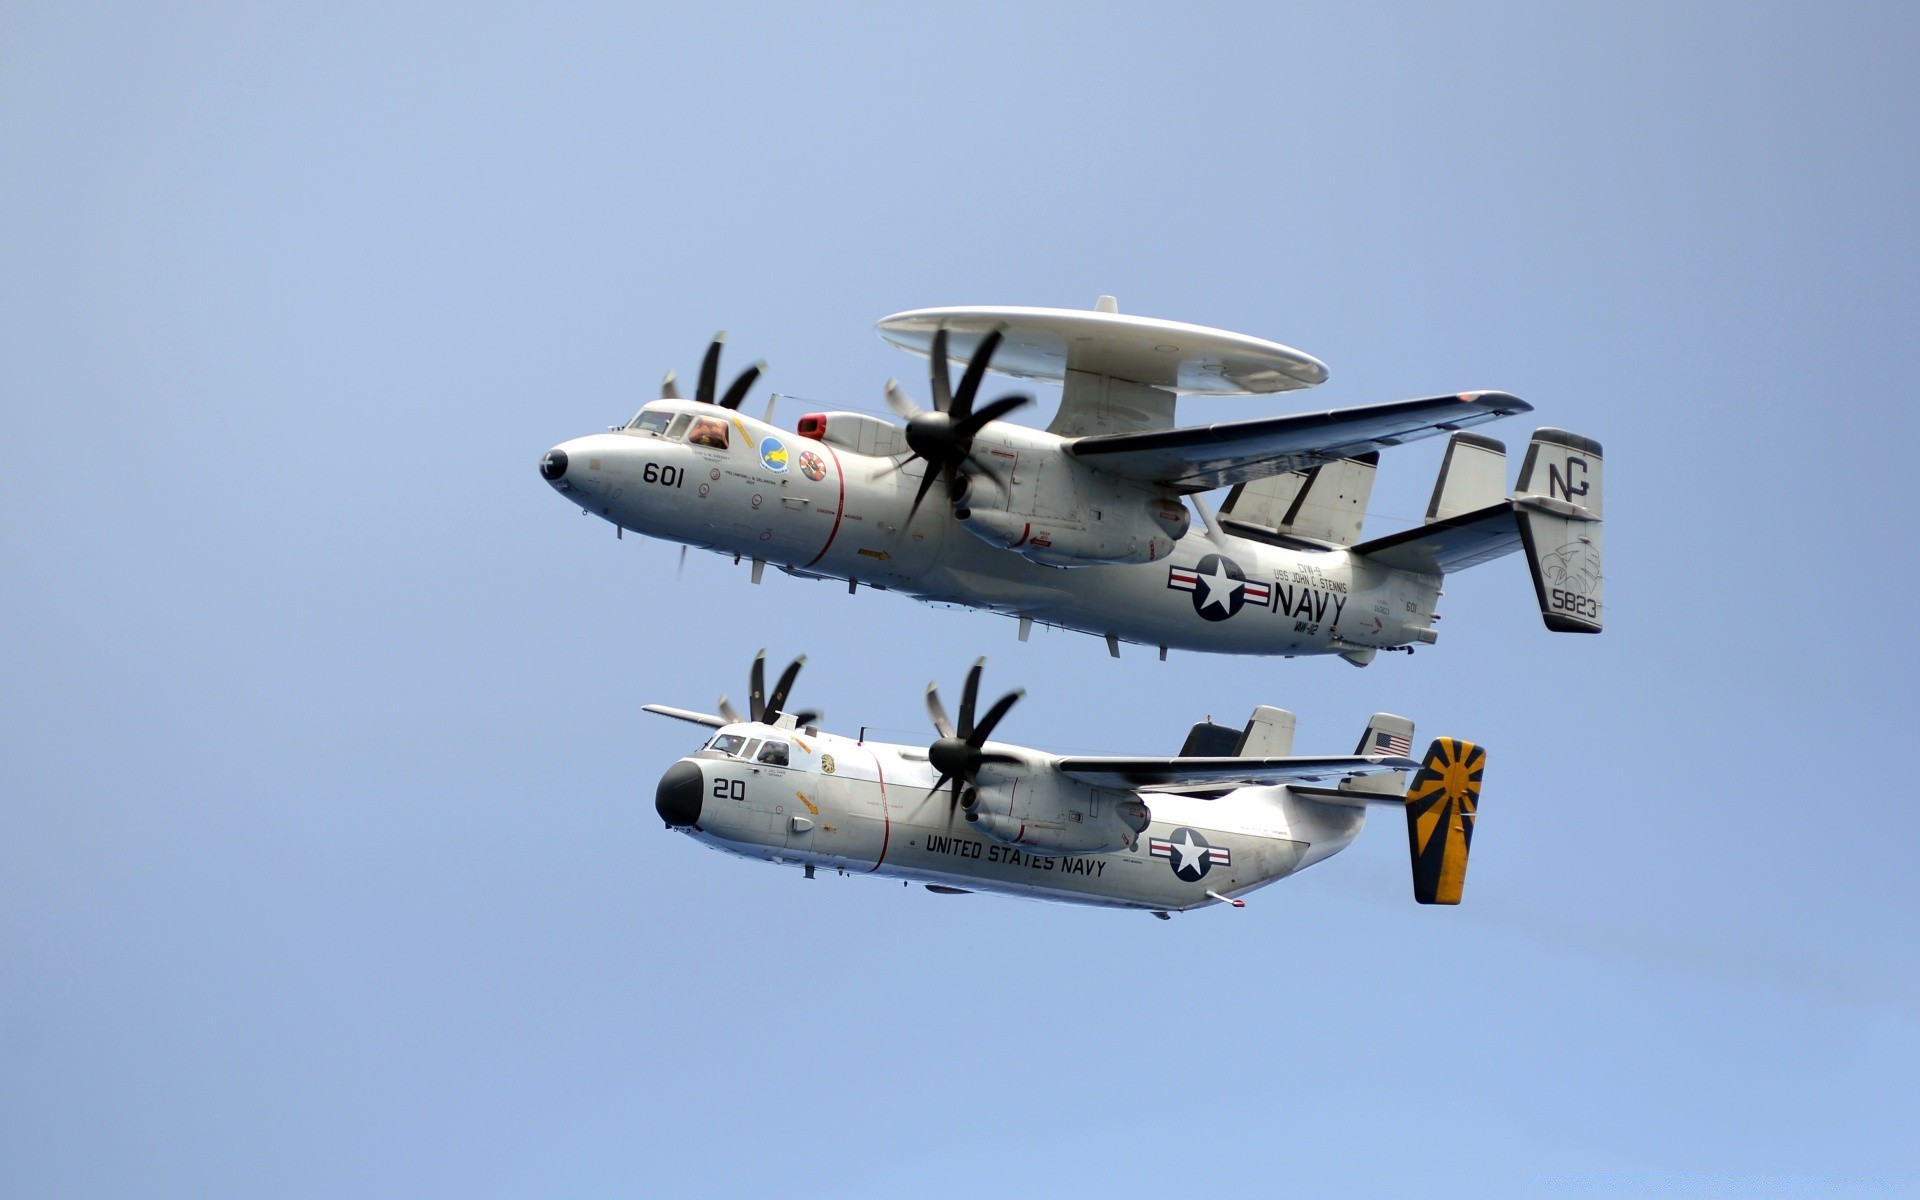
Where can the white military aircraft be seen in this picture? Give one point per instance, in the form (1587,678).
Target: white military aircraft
(1087,524)
(1233,811)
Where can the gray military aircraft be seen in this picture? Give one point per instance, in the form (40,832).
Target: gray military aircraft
(1088,524)
(1233,811)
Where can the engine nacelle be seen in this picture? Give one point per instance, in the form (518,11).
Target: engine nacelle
(1099,824)
(1140,529)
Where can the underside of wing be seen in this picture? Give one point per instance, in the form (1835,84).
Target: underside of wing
(1212,774)
(1200,458)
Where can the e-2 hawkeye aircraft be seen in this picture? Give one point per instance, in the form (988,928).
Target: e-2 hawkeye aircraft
(1233,811)
(1087,524)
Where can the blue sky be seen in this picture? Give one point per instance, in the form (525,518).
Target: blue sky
(328,863)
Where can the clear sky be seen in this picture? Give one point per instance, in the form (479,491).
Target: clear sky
(328,863)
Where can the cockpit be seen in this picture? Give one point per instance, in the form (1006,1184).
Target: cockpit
(697,430)
(769,752)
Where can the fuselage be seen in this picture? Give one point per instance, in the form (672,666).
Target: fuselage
(716,479)
(865,808)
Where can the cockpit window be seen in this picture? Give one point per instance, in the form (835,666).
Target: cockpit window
(752,746)
(678,429)
(774,754)
(709,431)
(654,423)
(727,743)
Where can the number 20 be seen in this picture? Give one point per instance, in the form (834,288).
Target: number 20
(729,789)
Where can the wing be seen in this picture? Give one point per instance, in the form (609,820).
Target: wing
(1179,774)
(682,714)
(1200,458)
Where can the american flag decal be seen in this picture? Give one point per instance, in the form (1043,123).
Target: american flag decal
(1392,743)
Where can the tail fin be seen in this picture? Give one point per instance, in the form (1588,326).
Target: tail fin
(1324,505)
(1385,734)
(1473,476)
(1441,805)
(1558,500)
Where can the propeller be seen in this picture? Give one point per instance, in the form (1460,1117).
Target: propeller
(957,752)
(943,438)
(710,378)
(765,708)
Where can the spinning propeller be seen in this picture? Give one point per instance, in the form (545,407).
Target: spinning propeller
(957,753)
(762,707)
(710,378)
(944,437)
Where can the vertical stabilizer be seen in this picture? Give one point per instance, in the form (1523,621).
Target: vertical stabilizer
(1558,501)
(1441,806)
(1326,504)
(1269,734)
(1385,734)
(1473,476)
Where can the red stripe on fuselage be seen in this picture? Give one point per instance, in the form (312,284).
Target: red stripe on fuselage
(886,819)
(839,509)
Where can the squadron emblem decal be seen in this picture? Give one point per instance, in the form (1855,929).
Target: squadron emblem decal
(812,466)
(773,454)
(1219,587)
(1189,854)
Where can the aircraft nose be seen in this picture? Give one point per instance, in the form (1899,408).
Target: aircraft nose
(679,795)
(553,465)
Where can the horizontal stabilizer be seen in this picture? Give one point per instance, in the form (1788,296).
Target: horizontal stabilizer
(1453,544)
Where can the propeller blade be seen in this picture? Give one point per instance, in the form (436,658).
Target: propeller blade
(728,711)
(993,716)
(937,364)
(710,369)
(757,686)
(935,789)
(970,381)
(670,387)
(965,429)
(783,689)
(900,402)
(967,696)
(738,391)
(926,485)
(938,712)
(807,717)
(682,568)
(953,802)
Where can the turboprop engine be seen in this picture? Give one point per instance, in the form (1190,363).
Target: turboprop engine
(1037,812)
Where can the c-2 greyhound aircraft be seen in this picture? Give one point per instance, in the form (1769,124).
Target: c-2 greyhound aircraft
(1233,811)
(1087,524)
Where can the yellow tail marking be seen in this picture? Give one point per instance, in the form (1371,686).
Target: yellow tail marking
(1442,803)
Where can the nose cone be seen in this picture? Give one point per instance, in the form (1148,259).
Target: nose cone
(553,465)
(678,798)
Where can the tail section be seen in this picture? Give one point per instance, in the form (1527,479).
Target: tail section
(1558,502)
(1385,734)
(1441,805)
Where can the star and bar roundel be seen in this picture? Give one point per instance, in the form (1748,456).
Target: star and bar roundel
(1220,588)
(1189,854)
(1441,804)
